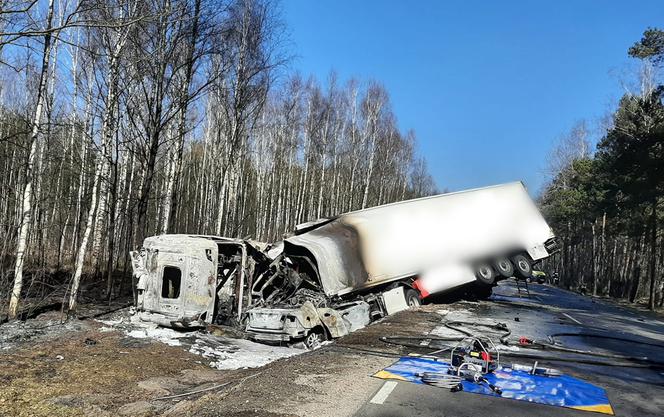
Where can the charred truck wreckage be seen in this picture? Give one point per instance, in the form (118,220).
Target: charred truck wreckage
(333,276)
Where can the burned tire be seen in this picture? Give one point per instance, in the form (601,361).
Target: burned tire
(504,267)
(412,298)
(485,274)
(315,337)
(522,266)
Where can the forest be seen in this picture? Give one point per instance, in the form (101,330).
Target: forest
(605,203)
(122,119)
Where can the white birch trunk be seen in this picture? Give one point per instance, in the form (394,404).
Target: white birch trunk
(80,258)
(27,191)
(107,132)
(170,183)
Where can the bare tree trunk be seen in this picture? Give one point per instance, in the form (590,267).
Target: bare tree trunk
(593,272)
(303,189)
(611,268)
(80,258)
(653,253)
(170,203)
(27,191)
(113,194)
(84,153)
(374,108)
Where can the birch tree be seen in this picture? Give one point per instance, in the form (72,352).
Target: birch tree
(26,212)
(185,97)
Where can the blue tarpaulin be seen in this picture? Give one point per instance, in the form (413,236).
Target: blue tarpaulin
(562,391)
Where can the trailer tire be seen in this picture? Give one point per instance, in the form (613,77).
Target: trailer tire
(504,267)
(412,298)
(485,274)
(522,266)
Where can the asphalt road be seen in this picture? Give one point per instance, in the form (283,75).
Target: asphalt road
(632,391)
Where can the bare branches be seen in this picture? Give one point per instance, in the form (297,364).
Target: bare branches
(21,7)
(168,116)
(27,27)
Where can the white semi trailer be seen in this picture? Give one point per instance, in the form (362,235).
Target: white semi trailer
(423,246)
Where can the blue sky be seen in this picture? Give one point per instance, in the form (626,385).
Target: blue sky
(487,86)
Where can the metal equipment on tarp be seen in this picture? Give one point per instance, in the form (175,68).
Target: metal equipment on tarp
(480,351)
(562,390)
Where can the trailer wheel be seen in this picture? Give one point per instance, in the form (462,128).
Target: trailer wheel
(504,267)
(315,337)
(485,274)
(522,266)
(412,298)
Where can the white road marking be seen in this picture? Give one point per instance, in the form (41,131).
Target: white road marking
(572,318)
(383,392)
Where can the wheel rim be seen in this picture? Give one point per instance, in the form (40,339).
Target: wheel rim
(312,339)
(485,272)
(503,266)
(413,302)
(523,265)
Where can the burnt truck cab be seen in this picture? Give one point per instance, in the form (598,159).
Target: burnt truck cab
(188,281)
(291,304)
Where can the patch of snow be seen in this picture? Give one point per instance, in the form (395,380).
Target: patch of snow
(240,353)
(145,330)
(111,323)
(454,315)
(220,352)
(500,346)
(325,343)
(442,331)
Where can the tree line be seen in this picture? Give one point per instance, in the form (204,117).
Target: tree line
(121,119)
(605,205)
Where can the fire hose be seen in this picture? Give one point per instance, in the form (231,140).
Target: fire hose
(587,356)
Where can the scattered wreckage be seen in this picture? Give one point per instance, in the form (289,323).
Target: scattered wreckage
(335,275)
